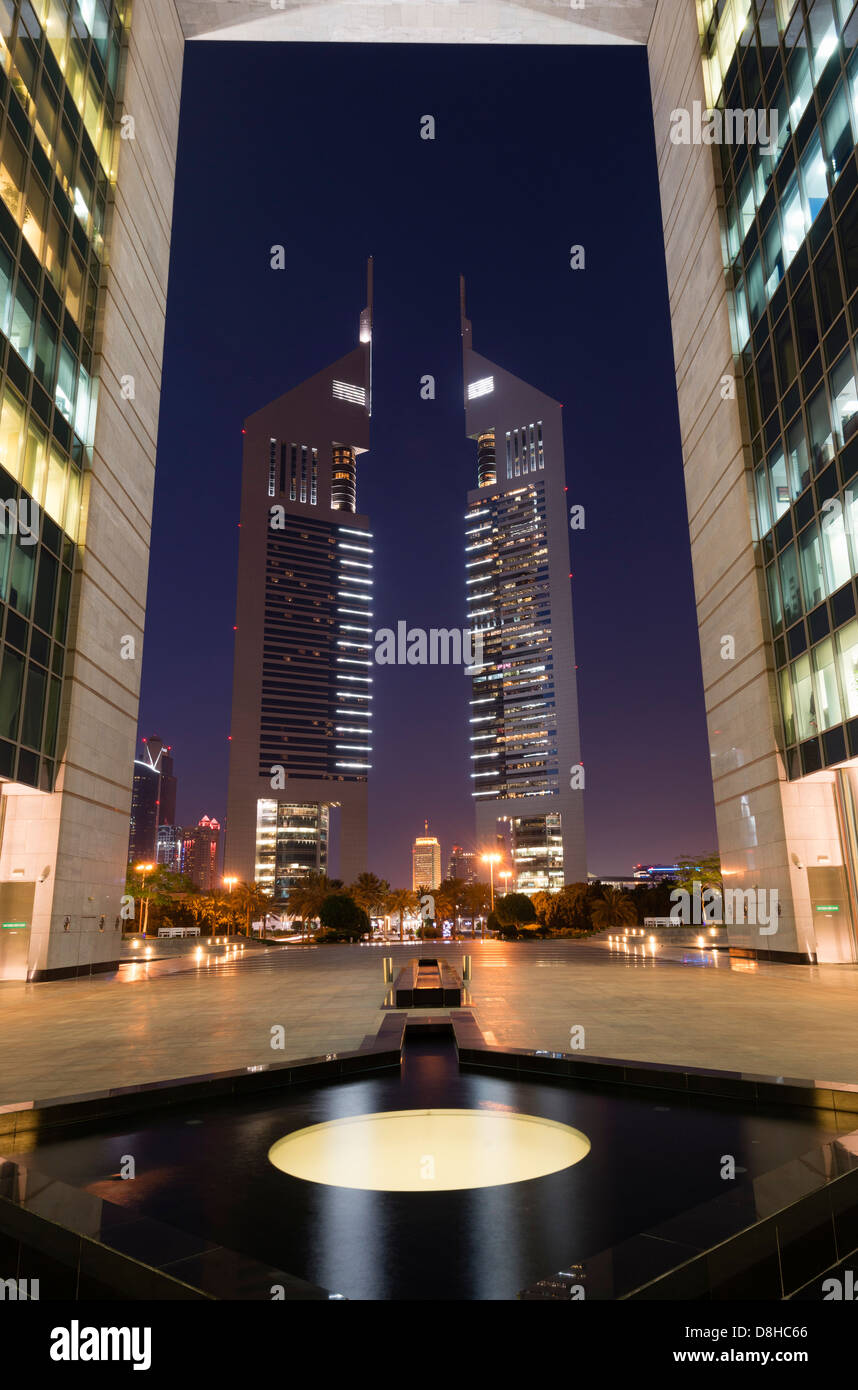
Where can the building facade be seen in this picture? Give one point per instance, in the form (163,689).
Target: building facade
(463,864)
(425,861)
(153,800)
(301,741)
(526,760)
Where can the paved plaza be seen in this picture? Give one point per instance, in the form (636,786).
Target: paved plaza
(183,1017)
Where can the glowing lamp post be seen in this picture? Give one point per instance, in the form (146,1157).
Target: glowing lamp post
(230,882)
(491,860)
(144,869)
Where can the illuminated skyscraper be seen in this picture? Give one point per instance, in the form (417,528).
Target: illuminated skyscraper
(153,799)
(425,861)
(525,751)
(302,686)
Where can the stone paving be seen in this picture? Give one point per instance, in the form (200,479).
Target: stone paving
(182,1017)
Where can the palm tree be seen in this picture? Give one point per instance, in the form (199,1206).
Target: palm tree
(370,892)
(401,900)
(250,899)
(613,909)
(305,897)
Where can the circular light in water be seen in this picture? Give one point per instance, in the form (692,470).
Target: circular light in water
(429,1150)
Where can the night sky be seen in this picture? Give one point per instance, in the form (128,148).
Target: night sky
(317,147)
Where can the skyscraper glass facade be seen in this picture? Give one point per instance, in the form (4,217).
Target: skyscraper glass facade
(59,89)
(790,238)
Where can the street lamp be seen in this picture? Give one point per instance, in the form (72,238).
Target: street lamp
(506,875)
(144,869)
(491,860)
(230,881)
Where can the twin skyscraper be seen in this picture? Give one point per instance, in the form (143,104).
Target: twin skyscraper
(301,733)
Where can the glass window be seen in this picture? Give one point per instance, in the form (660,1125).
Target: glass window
(46,351)
(740,309)
(845,398)
(72,521)
(53,716)
(826,696)
(11,680)
(798,458)
(64,394)
(74,300)
(36,215)
(847,660)
(92,110)
(803,701)
(823,32)
(786,706)
(21,333)
(56,489)
(800,84)
(12,163)
(789,585)
(75,65)
(776,465)
(35,463)
(785,353)
(838,133)
(795,222)
(47,113)
(813,180)
(6,267)
(55,248)
(764,516)
(34,708)
(812,577)
(756,287)
(81,415)
(46,588)
(11,432)
(746,201)
(773,255)
(835,550)
(23,573)
(819,429)
(775,612)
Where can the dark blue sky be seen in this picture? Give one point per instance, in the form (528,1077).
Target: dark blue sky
(317,147)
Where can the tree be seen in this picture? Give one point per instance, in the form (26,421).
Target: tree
(613,909)
(305,897)
(514,908)
(401,900)
(249,900)
(705,870)
(476,899)
(567,910)
(343,918)
(371,893)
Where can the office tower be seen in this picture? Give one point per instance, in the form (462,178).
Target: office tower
(302,688)
(525,753)
(198,854)
(82,452)
(463,864)
(761,237)
(192,850)
(425,861)
(153,793)
(168,852)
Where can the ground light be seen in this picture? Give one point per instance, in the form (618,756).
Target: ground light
(429,1150)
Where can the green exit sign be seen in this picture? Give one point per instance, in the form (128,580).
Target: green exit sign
(828,907)
(12,926)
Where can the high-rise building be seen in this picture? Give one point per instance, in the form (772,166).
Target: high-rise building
(425,861)
(301,733)
(153,800)
(198,855)
(761,231)
(525,751)
(192,850)
(463,864)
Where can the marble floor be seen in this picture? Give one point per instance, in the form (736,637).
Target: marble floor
(185,1016)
